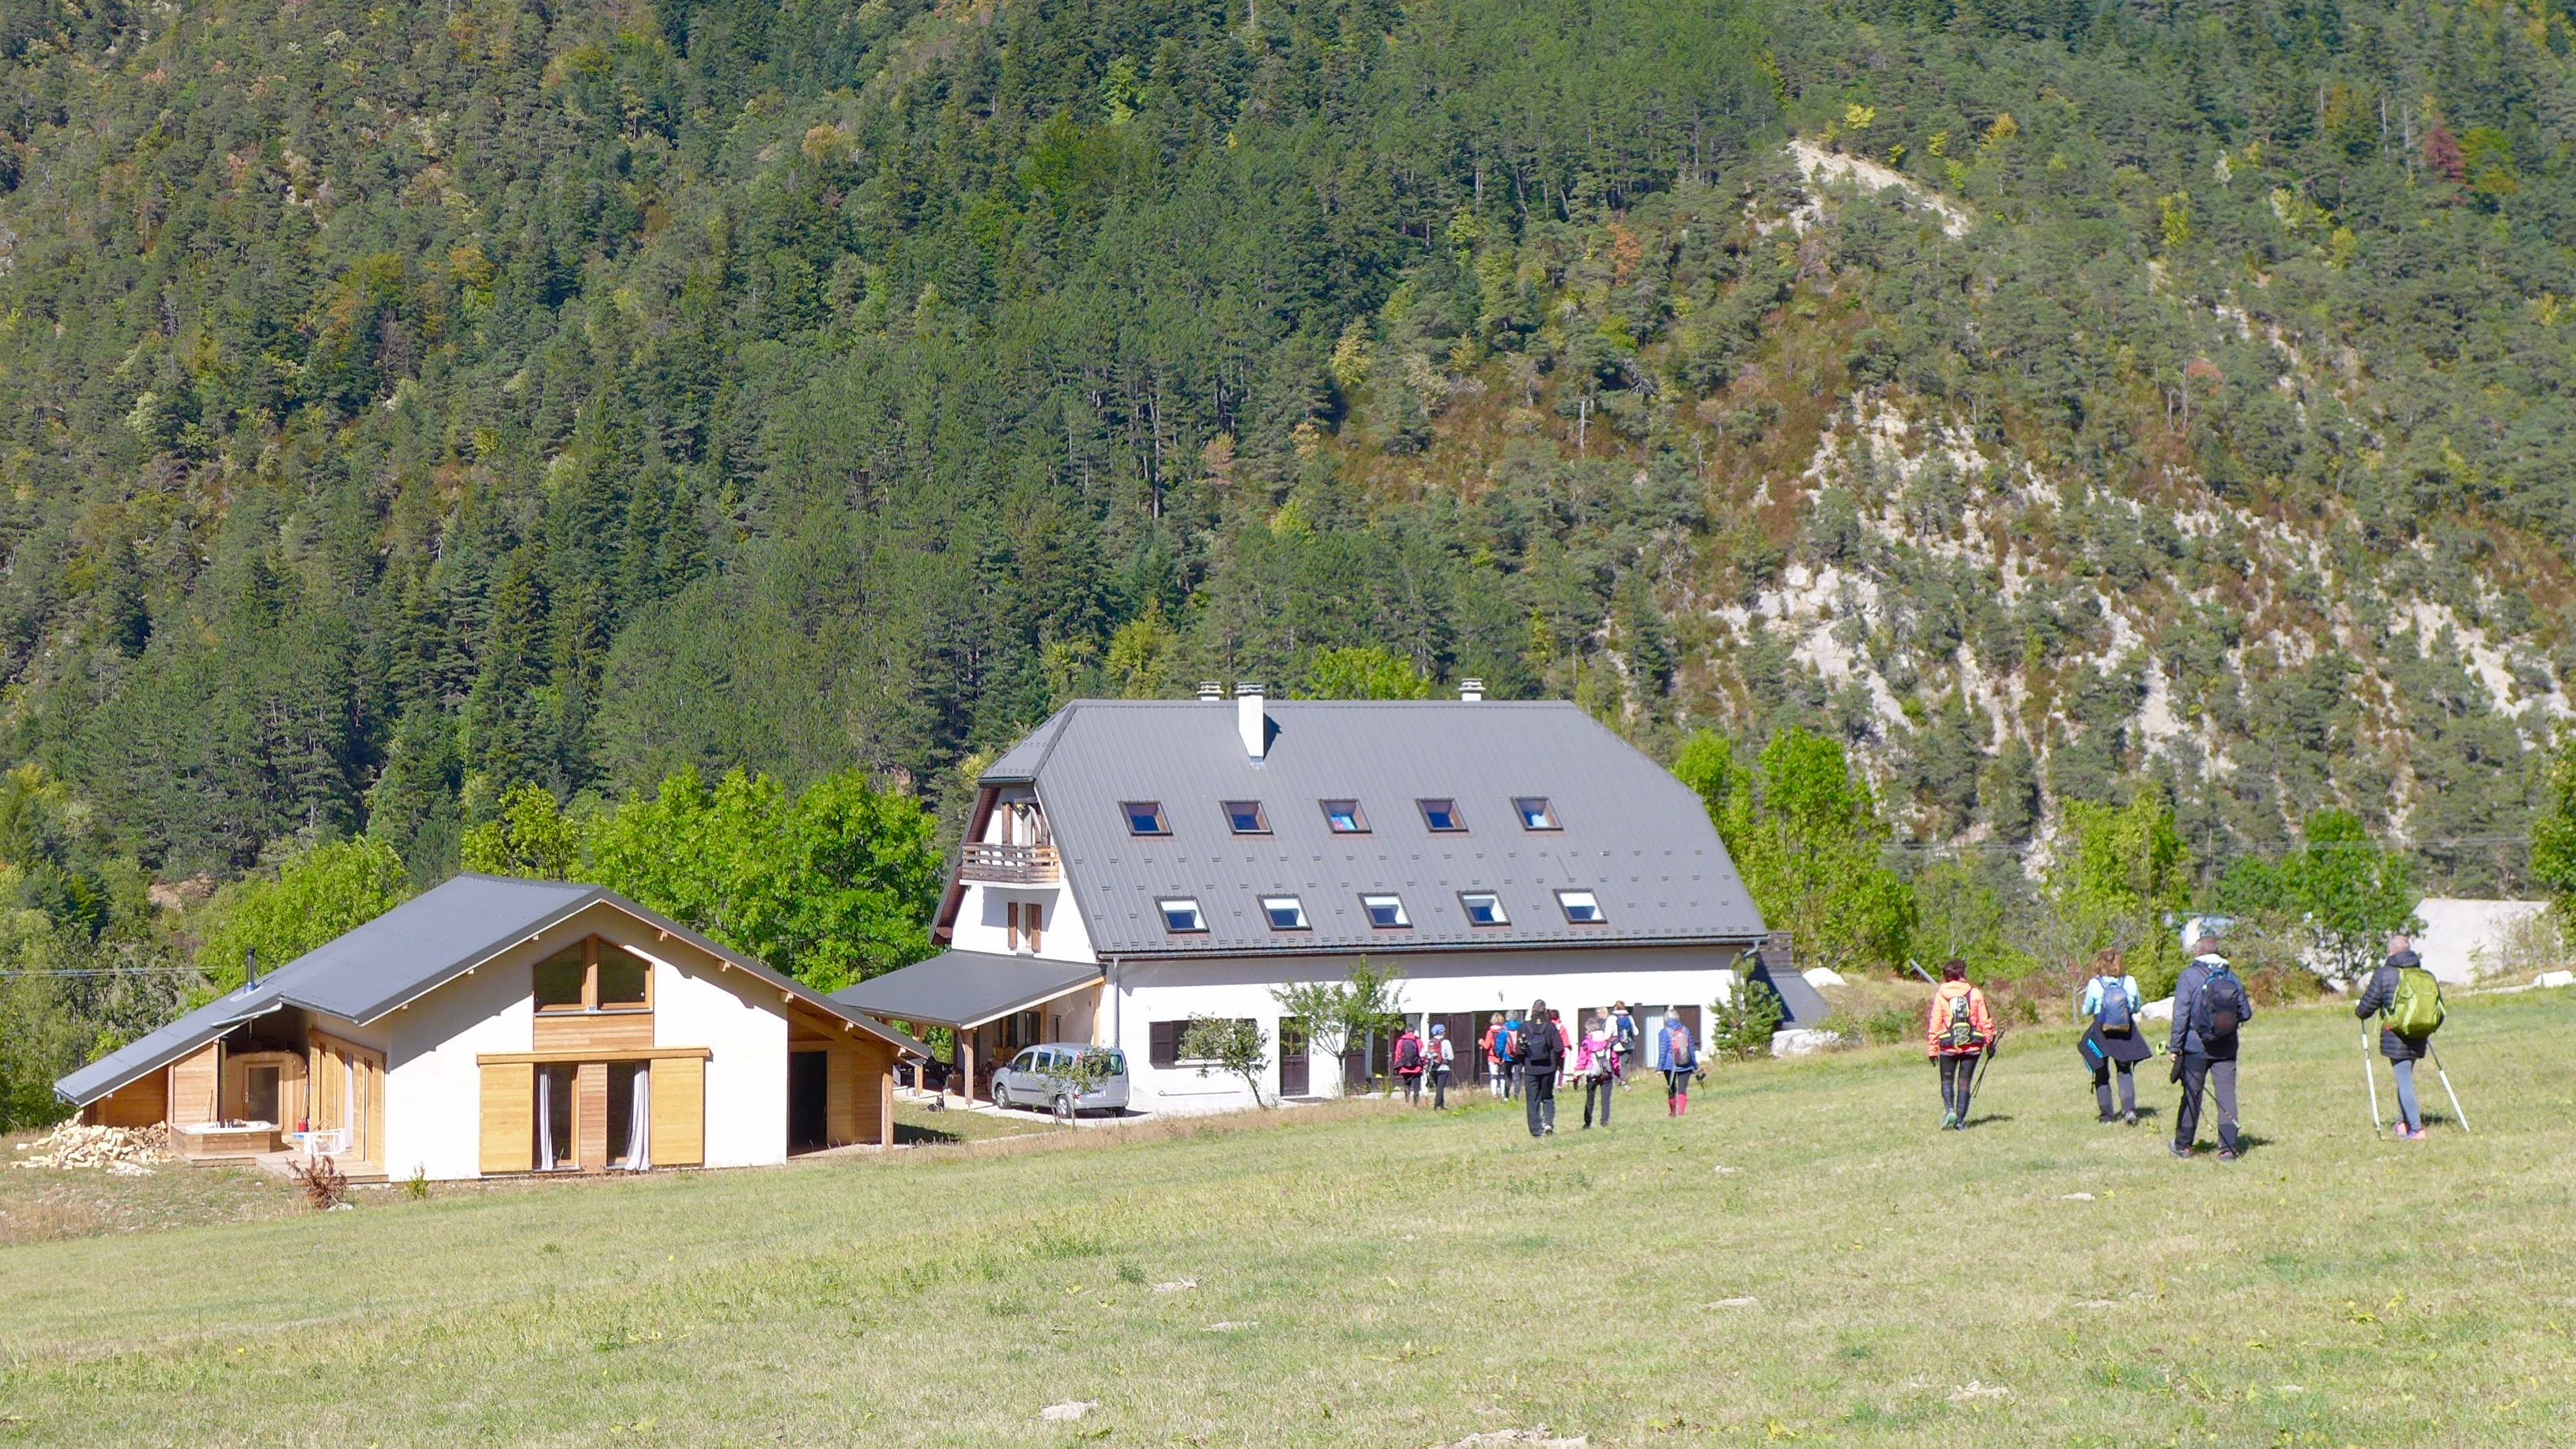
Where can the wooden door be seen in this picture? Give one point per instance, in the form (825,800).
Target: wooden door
(1295,1064)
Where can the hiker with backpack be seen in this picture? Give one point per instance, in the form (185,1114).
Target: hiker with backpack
(1623,1027)
(1957,1032)
(1538,1051)
(1441,1056)
(2408,1002)
(1596,1063)
(1677,1057)
(2112,1044)
(2210,1005)
(1408,1065)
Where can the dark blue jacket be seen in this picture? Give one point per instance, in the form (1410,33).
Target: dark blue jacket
(2185,1041)
(2378,997)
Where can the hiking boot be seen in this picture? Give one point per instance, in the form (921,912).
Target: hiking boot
(2227,1154)
(2178,1150)
(2130,1120)
(2104,1120)
(2417,1135)
(1949,1121)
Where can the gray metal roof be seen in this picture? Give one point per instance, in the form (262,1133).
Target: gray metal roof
(1630,832)
(415,947)
(965,989)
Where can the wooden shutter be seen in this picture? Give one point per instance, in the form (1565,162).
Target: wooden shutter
(1164,1044)
(509,1118)
(679,1111)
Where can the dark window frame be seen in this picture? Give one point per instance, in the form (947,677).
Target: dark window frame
(1502,916)
(1163,905)
(1129,809)
(1260,817)
(1359,816)
(1304,921)
(1457,821)
(1546,812)
(1599,916)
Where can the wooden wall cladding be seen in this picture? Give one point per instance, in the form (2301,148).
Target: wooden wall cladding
(600,1034)
(138,1103)
(196,1081)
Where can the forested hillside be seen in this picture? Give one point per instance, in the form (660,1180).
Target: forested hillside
(403,404)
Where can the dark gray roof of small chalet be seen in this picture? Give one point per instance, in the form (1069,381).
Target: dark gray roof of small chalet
(417,946)
(1630,832)
(965,989)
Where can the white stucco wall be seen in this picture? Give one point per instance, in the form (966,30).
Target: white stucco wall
(982,924)
(433,1088)
(1570,981)
(699,1005)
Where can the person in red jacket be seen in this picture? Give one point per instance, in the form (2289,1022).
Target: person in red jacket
(1408,1065)
(1956,1033)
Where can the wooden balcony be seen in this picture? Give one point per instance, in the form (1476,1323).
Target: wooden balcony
(1011,864)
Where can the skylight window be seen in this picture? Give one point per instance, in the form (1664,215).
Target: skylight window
(1345,817)
(1582,908)
(1386,912)
(1441,815)
(1145,817)
(1246,817)
(1484,908)
(1286,913)
(1535,812)
(1181,916)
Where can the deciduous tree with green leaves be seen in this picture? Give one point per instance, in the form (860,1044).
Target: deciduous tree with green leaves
(1806,835)
(2340,888)
(1236,1046)
(316,894)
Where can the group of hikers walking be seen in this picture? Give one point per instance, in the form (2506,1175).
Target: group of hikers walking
(1528,1055)
(2210,1009)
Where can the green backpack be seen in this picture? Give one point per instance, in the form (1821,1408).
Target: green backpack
(2416,1011)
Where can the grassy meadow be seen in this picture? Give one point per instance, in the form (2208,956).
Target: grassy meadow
(1803,1256)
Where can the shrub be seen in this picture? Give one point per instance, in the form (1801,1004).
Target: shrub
(1741,1025)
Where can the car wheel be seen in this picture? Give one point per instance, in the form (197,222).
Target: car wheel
(1001,1094)
(1064,1108)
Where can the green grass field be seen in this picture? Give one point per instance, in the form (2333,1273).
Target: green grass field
(1367,1276)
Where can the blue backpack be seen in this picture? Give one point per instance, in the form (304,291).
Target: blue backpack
(2113,1015)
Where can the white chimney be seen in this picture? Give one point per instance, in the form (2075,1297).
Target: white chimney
(1247,712)
(1210,689)
(1471,690)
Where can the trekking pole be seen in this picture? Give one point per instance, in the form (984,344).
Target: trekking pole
(2369,1080)
(2446,1088)
(1985,1059)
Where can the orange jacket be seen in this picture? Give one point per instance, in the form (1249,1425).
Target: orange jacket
(1936,1021)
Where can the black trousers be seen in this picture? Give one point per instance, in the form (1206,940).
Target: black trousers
(1958,1075)
(2220,1078)
(1677,1083)
(1412,1085)
(2102,1071)
(1439,1089)
(1540,1089)
(1600,1087)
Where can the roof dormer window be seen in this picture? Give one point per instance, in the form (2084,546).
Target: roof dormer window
(1484,908)
(1246,817)
(1181,915)
(1535,812)
(1145,817)
(1441,817)
(1285,913)
(1385,912)
(1582,908)
(1345,817)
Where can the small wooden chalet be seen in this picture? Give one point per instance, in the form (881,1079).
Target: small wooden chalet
(495,1026)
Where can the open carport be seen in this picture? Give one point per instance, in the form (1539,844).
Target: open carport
(992,1006)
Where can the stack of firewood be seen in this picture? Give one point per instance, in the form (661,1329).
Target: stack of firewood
(125,1151)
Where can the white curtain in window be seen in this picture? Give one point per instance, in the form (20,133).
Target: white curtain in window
(545,1120)
(639,1121)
